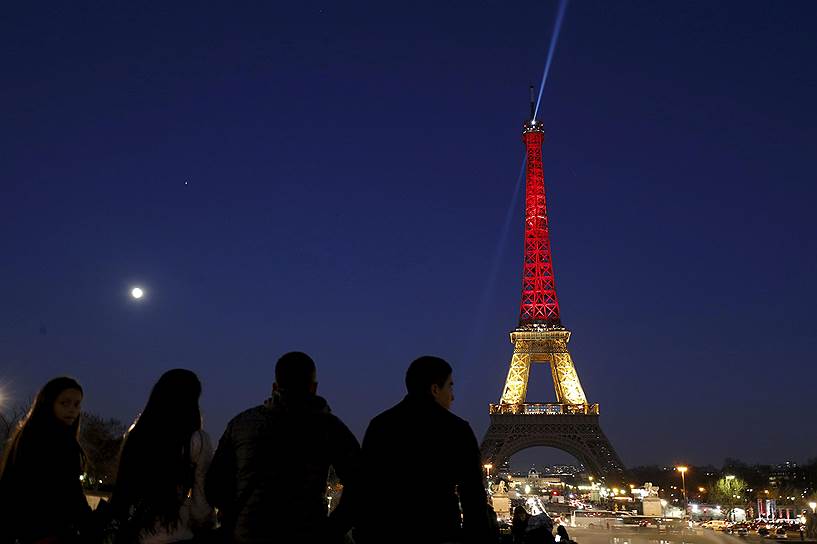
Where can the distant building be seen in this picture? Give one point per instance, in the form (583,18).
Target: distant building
(787,474)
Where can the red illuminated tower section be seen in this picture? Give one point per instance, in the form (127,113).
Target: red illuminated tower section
(539,302)
(571,423)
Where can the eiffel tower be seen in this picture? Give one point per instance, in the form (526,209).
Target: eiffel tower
(570,424)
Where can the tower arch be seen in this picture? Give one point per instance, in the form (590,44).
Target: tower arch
(578,435)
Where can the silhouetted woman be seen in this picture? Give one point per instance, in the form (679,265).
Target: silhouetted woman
(159,492)
(41,497)
(519,525)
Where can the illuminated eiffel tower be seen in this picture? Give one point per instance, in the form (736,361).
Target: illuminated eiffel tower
(570,424)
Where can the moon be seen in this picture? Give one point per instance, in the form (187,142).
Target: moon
(137,293)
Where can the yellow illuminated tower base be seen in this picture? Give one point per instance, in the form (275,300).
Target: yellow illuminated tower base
(542,346)
(570,424)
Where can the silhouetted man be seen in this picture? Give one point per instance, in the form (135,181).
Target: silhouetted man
(268,475)
(420,464)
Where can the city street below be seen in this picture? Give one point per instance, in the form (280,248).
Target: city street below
(693,536)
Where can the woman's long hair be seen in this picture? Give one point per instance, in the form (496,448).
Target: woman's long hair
(155,472)
(41,434)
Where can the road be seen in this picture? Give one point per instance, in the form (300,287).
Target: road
(695,536)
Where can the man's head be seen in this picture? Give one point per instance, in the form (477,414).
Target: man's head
(431,376)
(295,374)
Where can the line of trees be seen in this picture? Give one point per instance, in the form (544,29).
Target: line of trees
(101,439)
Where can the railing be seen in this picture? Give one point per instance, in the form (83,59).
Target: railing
(545,409)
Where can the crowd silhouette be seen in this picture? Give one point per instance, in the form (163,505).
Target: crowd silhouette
(267,479)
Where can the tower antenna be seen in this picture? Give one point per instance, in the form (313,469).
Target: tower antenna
(532,105)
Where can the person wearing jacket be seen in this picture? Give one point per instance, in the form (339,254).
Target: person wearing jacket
(433,450)
(269,473)
(41,497)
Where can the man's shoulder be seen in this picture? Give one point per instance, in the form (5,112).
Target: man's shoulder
(398,411)
(406,409)
(250,415)
(456,421)
(256,414)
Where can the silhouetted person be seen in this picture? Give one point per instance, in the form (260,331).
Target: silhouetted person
(269,472)
(564,537)
(41,495)
(519,525)
(420,442)
(540,530)
(159,492)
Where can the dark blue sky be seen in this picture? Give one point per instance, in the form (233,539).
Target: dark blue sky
(349,168)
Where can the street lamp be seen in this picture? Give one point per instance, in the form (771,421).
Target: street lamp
(487,467)
(682,470)
(812,505)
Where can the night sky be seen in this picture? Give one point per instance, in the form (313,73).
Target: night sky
(336,177)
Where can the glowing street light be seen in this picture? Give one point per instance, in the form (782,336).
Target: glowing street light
(137,293)
(812,505)
(682,469)
(488,467)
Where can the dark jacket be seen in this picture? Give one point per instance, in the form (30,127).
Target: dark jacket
(40,491)
(420,463)
(268,475)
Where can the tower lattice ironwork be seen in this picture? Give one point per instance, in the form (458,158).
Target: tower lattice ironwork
(569,424)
